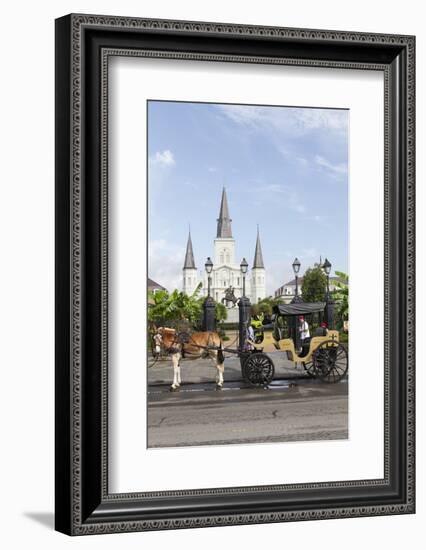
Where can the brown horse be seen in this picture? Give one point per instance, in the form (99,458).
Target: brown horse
(197,344)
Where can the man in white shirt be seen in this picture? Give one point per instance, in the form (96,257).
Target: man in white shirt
(303,331)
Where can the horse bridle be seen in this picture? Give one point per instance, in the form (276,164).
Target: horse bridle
(172,348)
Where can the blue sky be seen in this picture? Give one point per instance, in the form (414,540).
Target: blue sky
(284,168)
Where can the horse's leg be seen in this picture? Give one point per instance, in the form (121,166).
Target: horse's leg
(178,369)
(220,369)
(211,354)
(176,372)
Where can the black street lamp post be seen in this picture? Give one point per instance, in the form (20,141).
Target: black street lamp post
(294,322)
(296,268)
(329,302)
(244,269)
(209,322)
(209,268)
(327,268)
(244,307)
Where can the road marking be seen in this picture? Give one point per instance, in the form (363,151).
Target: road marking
(274,386)
(237,388)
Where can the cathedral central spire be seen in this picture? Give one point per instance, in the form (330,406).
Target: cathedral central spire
(224,230)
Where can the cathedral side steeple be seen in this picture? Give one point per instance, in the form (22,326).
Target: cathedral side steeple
(190,276)
(189,262)
(224,229)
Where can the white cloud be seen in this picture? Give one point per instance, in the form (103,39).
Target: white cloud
(299,120)
(270,188)
(318,218)
(163,158)
(290,156)
(161,166)
(281,125)
(310,254)
(302,160)
(294,203)
(247,115)
(337,169)
(289,197)
(165,262)
(309,119)
(191,184)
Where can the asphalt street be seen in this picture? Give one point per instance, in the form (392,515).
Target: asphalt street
(293,408)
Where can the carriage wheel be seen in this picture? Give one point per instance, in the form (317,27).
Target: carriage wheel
(309,369)
(258,369)
(330,361)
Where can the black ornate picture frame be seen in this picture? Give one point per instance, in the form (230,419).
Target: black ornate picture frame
(84,44)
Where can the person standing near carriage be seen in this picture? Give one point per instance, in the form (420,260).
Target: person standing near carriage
(304,333)
(250,337)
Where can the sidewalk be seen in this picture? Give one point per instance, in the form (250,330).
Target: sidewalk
(199,371)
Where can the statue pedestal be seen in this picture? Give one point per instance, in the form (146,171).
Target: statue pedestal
(209,320)
(233,315)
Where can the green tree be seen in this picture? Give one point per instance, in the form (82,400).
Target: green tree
(341,296)
(314,285)
(264,306)
(174,307)
(221,312)
(178,306)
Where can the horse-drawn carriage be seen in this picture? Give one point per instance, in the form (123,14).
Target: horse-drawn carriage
(322,356)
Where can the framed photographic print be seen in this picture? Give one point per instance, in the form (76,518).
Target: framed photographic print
(234,274)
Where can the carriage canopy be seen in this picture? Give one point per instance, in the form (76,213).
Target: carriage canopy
(299,308)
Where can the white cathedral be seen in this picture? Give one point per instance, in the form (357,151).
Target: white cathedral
(226,270)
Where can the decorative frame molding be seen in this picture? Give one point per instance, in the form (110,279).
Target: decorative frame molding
(84,44)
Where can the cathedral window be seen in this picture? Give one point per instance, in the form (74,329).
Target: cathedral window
(221,258)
